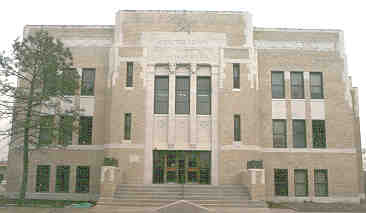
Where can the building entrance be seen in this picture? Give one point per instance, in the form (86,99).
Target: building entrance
(182,167)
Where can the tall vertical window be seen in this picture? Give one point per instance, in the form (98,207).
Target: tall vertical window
(82,179)
(161,97)
(203,95)
(65,134)
(62,178)
(321,182)
(128,118)
(279,133)
(46,128)
(278,85)
(182,87)
(297,85)
(316,85)
(299,133)
(43,178)
(237,135)
(85,130)
(129,75)
(281,182)
(301,182)
(236,76)
(319,140)
(87,82)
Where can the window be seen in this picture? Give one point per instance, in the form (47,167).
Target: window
(66,79)
(87,82)
(43,178)
(321,182)
(161,97)
(316,85)
(129,77)
(301,182)
(182,87)
(82,179)
(319,140)
(203,95)
(66,126)
(45,131)
(237,136)
(278,85)
(62,178)
(297,85)
(279,133)
(299,133)
(128,122)
(281,182)
(86,130)
(236,76)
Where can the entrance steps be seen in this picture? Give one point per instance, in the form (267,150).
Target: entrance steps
(161,194)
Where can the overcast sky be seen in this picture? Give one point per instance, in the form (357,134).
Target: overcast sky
(349,16)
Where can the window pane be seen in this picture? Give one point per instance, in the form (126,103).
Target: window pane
(319,137)
(281,182)
(321,182)
(43,178)
(62,178)
(299,133)
(161,97)
(127,135)
(87,82)
(129,78)
(279,133)
(237,136)
(278,90)
(203,95)
(301,182)
(297,85)
(85,130)
(236,76)
(182,95)
(46,127)
(82,179)
(316,84)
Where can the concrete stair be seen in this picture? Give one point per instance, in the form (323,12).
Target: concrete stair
(161,194)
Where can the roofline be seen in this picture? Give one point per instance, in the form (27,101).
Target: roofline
(297,30)
(70,26)
(183,11)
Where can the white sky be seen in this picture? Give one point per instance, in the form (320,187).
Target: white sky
(349,16)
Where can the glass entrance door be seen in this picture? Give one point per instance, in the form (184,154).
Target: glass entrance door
(181,167)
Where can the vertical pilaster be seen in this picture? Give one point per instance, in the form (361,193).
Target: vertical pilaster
(72,180)
(193,116)
(307,97)
(171,129)
(214,125)
(149,118)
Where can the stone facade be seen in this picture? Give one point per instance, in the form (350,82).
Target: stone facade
(195,44)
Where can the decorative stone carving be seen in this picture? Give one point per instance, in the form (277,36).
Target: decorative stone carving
(193,68)
(172,68)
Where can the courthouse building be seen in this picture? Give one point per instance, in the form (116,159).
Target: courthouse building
(203,98)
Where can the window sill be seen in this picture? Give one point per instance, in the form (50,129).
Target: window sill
(238,143)
(126,141)
(129,88)
(235,90)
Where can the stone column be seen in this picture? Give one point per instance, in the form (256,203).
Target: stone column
(149,118)
(193,116)
(257,184)
(171,120)
(214,124)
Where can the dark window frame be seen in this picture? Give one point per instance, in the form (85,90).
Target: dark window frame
(181,92)
(319,134)
(43,178)
(281,85)
(313,87)
(86,130)
(62,183)
(129,74)
(298,183)
(128,126)
(201,103)
(87,85)
(318,183)
(296,132)
(82,179)
(161,95)
(237,127)
(295,88)
(281,182)
(236,76)
(278,135)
